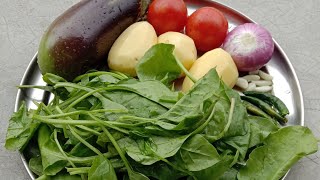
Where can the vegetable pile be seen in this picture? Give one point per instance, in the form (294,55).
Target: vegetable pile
(106,125)
(133,121)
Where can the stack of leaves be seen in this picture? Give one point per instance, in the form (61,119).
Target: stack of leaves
(105,125)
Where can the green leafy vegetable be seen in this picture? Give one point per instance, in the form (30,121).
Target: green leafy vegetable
(35,165)
(260,129)
(150,151)
(105,125)
(101,169)
(188,106)
(197,154)
(281,149)
(217,170)
(154,91)
(52,160)
(158,64)
(21,129)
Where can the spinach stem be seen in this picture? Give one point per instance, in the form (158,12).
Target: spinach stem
(89,130)
(88,160)
(65,129)
(46,109)
(201,128)
(121,154)
(82,122)
(91,92)
(65,122)
(70,100)
(83,141)
(81,170)
(98,73)
(211,139)
(120,73)
(108,125)
(186,72)
(235,159)
(55,135)
(63,153)
(85,112)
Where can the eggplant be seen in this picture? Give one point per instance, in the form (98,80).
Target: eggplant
(80,38)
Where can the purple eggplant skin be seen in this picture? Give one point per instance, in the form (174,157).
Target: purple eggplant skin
(80,38)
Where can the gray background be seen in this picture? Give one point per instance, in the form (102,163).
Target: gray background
(294,24)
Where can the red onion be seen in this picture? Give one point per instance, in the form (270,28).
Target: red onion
(250,45)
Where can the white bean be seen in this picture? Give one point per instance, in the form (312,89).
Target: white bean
(263,89)
(265,76)
(251,77)
(263,83)
(254,72)
(251,87)
(242,83)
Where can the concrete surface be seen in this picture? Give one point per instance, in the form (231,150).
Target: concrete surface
(294,24)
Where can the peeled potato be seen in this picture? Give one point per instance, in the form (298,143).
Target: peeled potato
(130,46)
(185,50)
(217,58)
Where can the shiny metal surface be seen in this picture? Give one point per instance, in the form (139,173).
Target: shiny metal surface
(286,84)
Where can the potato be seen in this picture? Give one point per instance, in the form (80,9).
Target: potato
(130,46)
(185,49)
(216,58)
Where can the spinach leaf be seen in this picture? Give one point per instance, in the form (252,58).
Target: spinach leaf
(101,169)
(239,125)
(21,129)
(159,170)
(238,134)
(152,150)
(260,129)
(219,124)
(281,149)
(81,150)
(103,139)
(52,79)
(136,104)
(52,160)
(239,143)
(35,165)
(75,89)
(197,154)
(189,105)
(158,63)
(217,170)
(231,174)
(105,79)
(152,90)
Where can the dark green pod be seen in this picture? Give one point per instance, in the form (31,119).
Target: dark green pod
(271,100)
(80,38)
(266,108)
(252,109)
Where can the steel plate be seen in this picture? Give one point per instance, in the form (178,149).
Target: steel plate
(286,84)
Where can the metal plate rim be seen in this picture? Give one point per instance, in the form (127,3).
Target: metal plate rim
(302,121)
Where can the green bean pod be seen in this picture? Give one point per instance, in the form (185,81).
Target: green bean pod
(252,109)
(266,108)
(271,100)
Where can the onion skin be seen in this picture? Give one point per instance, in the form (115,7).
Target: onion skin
(250,45)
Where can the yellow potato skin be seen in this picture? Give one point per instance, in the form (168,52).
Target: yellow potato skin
(185,49)
(216,58)
(130,46)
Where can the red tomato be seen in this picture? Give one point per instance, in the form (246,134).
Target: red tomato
(167,15)
(208,28)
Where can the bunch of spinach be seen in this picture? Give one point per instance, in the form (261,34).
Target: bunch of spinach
(106,125)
